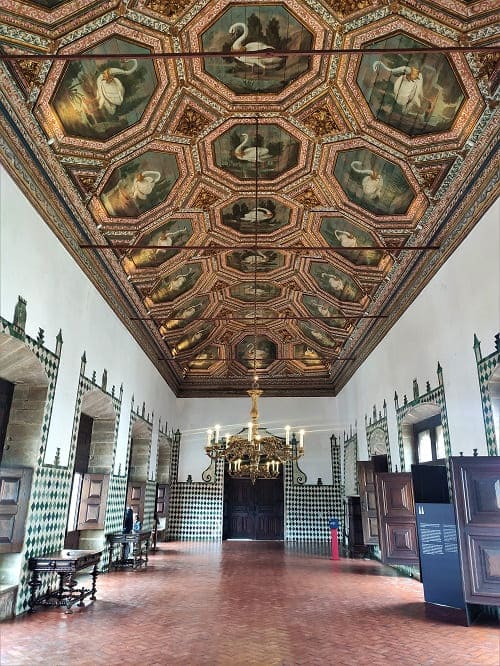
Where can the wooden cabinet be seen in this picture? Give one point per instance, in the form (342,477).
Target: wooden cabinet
(136,492)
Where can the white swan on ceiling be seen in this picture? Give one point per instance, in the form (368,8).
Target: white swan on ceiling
(251,153)
(110,90)
(257,215)
(372,182)
(264,62)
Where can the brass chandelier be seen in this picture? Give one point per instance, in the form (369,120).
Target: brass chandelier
(254,456)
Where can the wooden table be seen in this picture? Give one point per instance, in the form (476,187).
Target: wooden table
(133,552)
(65,563)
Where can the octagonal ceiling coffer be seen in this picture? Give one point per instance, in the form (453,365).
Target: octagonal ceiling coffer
(96,99)
(414,93)
(244,30)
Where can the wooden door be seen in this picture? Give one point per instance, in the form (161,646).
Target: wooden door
(136,491)
(397,520)
(93,502)
(240,509)
(269,512)
(82,453)
(6,393)
(476,489)
(253,511)
(15,488)
(368,502)
(368,497)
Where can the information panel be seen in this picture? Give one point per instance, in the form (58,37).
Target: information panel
(439,559)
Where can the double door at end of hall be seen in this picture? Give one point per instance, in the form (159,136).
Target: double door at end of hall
(253,511)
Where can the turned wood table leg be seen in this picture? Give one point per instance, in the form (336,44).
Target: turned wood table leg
(34,585)
(95,573)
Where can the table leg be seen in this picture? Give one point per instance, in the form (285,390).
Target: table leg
(34,584)
(60,589)
(95,573)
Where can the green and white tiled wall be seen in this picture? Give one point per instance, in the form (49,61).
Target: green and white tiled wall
(486,367)
(434,396)
(377,426)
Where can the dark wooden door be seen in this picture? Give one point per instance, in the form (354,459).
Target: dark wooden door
(253,511)
(6,393)
(269,515)
(368,502)
(15,488)
(397,520)
(93,502)
(476,490)
(368,497)
(82,454)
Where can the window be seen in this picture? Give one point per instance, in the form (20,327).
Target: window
(428,440)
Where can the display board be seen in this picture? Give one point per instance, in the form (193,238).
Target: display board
(439,559)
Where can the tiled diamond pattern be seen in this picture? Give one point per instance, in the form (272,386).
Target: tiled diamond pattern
(485,368)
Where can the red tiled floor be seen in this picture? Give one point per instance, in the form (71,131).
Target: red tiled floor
(248,603)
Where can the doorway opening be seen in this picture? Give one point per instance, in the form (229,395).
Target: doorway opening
(253,511)
(138,466)
(95,446)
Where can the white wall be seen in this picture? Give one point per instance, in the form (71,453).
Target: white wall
(35,265)
(316,415)
(462,299)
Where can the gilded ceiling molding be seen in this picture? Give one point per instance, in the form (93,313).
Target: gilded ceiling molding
(169,8)
(344,8)
(30,70)
(307,198)
(321,121)
(205,200)
(192,123)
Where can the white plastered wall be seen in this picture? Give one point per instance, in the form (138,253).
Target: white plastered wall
(316,415)
(463,298)
(35,265)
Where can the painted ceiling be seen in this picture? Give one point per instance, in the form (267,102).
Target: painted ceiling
(254,187)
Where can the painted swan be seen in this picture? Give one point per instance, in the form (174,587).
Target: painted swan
(251,153)
(264,62)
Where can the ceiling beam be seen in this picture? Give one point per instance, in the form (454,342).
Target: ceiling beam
(260,319)
(269,53)
(294,248)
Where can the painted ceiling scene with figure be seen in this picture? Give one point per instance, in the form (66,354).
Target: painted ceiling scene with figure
(254,187)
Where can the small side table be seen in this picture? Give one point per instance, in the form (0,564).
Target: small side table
(65,563)
(134,548)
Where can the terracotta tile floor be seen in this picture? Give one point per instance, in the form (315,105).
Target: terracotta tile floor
(248,603)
